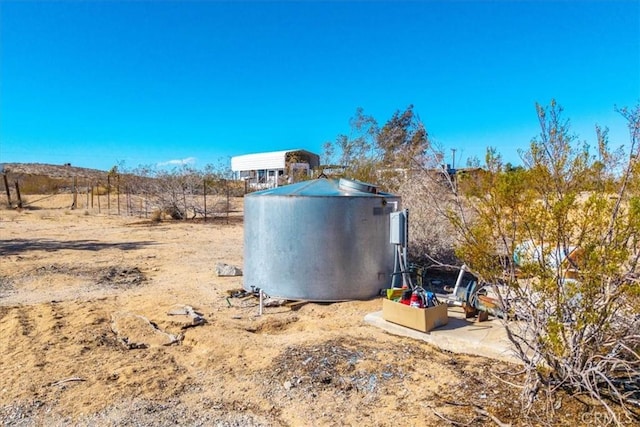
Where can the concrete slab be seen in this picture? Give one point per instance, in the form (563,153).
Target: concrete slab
(487,339)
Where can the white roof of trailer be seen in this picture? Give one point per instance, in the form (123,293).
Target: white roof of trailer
(257,161)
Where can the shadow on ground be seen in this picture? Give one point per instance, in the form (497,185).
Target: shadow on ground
(18,246)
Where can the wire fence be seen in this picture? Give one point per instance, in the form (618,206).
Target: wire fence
(171,197)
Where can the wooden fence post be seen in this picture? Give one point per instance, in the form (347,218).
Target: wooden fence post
(204,193)
(6,187)
(184,201)
(118,191)
(18,194)
(75,193)
(228,190)
(127,199)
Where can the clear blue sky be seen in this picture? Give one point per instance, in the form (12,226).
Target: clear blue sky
(149,82)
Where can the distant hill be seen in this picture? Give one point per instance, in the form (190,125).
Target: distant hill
(53,171)
(39,178)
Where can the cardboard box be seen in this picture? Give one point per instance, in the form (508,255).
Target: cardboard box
(421,319)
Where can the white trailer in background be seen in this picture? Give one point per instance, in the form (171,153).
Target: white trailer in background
(275,168)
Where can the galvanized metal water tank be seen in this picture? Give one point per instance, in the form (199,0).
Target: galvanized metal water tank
(320,240)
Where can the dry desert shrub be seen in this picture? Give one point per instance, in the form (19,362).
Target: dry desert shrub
(156,215)
(427,196)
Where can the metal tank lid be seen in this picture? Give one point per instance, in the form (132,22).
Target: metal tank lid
(324,187)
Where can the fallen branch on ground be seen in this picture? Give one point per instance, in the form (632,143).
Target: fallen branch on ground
(67,380)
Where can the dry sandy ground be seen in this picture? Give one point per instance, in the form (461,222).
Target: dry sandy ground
(67,276)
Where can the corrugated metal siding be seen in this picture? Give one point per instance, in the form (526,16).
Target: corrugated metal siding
(271,160)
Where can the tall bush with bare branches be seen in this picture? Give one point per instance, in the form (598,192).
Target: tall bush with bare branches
(572,219)
(400,158)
